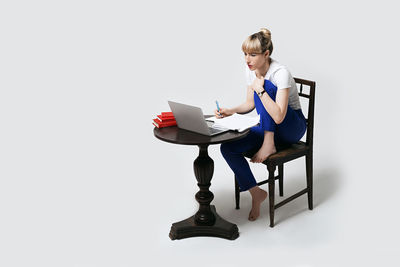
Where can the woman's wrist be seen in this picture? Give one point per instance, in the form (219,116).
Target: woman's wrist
(258,89)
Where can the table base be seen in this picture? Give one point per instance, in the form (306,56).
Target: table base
(188,228)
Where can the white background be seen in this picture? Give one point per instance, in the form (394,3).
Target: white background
(83,181)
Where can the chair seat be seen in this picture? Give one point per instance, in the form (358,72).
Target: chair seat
(284,155)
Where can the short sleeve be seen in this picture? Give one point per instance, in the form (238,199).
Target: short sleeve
(283,78)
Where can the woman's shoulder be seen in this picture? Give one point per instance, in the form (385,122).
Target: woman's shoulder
(280,75)
(275,66)
(278,70)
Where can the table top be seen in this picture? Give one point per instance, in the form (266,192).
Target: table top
(179,136)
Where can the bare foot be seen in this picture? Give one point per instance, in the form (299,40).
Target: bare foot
(258,196)
(262,154)
(267,148)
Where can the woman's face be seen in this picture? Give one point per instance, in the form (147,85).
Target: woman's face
(255,60)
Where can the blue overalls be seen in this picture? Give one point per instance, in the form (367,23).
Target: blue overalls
(289,131)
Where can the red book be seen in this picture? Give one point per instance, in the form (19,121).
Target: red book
(165,119)
(167,114)
(160,124)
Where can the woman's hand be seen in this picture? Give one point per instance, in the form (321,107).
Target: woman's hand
(223,112)
(258,84)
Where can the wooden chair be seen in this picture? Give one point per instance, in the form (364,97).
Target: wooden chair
(284,155)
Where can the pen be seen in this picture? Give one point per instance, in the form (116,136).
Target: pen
(216,102)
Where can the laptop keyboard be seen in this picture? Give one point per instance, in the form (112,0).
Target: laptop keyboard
(214,130)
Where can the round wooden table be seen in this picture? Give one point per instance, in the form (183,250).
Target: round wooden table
(206,221)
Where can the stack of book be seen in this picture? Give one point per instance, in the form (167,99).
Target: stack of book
(165,119)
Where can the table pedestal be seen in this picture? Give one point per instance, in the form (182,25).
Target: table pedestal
(189,228)
(206,221)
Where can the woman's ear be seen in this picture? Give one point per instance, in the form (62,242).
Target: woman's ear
(266,54)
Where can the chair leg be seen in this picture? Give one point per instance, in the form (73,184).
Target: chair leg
(271,187)
(309,173)
(280,173)
(237,193)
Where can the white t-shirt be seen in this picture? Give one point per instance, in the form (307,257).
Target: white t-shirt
(281,78)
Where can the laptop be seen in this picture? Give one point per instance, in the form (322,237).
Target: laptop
(192,119)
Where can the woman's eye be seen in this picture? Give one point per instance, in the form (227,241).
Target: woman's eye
(253,55)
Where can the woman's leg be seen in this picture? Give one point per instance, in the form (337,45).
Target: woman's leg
(258,195)
(289,131)
(267,148)
(267,124)
(292,129)
(233,154)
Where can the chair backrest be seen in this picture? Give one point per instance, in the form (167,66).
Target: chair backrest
(310,113)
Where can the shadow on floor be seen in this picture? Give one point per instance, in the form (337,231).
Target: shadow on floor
(327,183)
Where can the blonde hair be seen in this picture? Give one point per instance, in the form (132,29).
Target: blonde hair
(258,43)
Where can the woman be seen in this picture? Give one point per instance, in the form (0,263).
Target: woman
(273,92)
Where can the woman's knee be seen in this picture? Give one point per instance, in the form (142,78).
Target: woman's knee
(229,148)
(225,149)
(270,88)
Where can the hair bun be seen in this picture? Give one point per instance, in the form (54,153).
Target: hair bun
(266,32)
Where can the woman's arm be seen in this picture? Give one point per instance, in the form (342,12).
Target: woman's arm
(241,109)
(276,109)
(247,106)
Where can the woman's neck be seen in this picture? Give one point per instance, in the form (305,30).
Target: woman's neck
(264,69)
